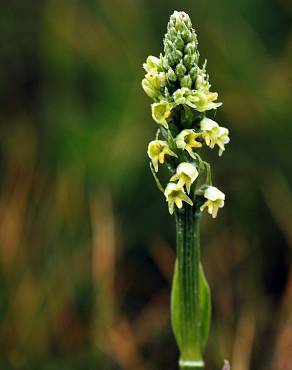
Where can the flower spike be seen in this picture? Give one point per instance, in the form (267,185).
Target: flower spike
(181,94)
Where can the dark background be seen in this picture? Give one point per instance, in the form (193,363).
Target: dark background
(86,241)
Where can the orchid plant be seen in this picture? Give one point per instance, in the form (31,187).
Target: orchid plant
(180,89)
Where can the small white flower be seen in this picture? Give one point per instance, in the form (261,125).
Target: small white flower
(205,98)
(214,134)
(175,196)
(206,101)
(152,64)
(161,112)
(153,82)
(157,150)
(186,97)
(215,200)
(186,140)
(186,174)
(222,139)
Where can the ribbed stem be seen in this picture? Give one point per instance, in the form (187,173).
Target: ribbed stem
(188,260)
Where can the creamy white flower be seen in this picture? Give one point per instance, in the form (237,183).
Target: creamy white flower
(175,196)
(157,150)
(206,101)
(222,139)
(161,112)
(186,140)
(215,200)
(152,64)
(185,96)
(214,134)
(205,98)
(186,174)
(153,82)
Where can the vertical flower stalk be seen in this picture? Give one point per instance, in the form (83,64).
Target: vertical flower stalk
(180,88)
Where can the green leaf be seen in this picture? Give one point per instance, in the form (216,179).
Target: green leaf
(205,308)
(175,307)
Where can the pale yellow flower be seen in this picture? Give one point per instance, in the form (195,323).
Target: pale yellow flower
(155,79)
(185,96)
(222,139)
(157,150)
(152,64)
(209,131)
(161,111)
(186,174)
(215,200)
(186,140)
(153,82)
(214,134)
(175,196)
(206,99)
(149,89)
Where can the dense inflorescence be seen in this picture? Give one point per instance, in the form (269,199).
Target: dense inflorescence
(180,89)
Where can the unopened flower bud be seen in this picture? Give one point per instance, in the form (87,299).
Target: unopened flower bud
(170,75)
(177,55)
(193,73)
(187,35)
(165,63)
(179,43)
(180,70)
(190,60)
(190,49)
(171,31)
(186,81)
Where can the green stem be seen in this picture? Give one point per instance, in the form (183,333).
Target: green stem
(188,264)
(160,187)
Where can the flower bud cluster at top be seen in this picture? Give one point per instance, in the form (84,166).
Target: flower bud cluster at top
(181,92)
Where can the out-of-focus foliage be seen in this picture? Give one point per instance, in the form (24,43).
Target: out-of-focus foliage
(86,243)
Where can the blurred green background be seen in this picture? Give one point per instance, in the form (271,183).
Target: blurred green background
(86,242)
